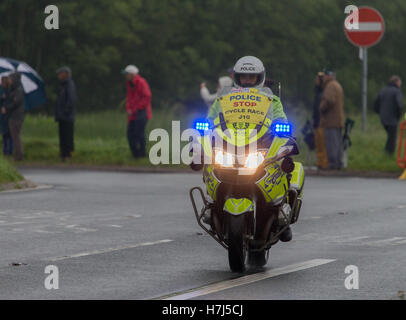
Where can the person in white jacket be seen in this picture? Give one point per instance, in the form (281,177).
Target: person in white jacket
(209,98)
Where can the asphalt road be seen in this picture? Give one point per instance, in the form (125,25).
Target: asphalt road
(134,236)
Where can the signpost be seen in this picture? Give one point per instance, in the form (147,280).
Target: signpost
(367,33)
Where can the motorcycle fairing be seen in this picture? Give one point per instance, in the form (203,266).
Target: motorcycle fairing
(274,184)
(238,206)
(211,181)
(297,180)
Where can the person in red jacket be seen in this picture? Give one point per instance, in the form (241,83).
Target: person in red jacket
(138,109)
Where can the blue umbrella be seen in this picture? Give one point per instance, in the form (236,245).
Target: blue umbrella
(32,82)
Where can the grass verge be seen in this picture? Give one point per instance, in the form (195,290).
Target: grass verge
(8,173)
(367,150)
(100,140)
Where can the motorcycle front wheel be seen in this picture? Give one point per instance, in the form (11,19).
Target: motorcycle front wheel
(237,246)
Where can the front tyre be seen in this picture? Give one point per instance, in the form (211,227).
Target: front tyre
(237,247)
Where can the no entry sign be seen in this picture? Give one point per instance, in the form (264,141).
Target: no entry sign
(364,27)
(371,28)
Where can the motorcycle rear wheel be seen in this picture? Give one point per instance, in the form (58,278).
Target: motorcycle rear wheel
(237,247)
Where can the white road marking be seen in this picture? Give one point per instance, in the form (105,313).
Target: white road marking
(306,236)
(76,228)
(223,285)
(94,252)
(311,218)
(45,231)
(347,240)
(385,242)
(318,237)
(135,216)
(354,239)
(13,223)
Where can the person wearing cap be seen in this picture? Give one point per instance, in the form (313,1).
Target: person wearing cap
(138,107)
(209,98)
(65,111)
(388,104)
(332,119)
(319,140)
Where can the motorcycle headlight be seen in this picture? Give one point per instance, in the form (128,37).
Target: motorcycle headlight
(254,160)
(224,159)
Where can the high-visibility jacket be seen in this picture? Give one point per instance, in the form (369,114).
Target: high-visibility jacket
(275,111)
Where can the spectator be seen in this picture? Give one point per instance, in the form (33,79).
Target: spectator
(4,128)
(139,110)
(208,98)
(14,108)
(65,112)
(388,105)
(332,119)
(230,72)
(319,140)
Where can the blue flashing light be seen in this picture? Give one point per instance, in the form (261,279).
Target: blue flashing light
(202,125)
(282,128)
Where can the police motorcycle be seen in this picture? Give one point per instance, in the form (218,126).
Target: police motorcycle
(254,189)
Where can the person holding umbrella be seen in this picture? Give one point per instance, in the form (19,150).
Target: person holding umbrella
(26,90)
(65,111)
(14,109)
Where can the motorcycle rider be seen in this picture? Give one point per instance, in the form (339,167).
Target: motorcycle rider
(249,72)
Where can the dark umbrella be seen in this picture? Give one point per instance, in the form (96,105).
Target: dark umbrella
(32,82)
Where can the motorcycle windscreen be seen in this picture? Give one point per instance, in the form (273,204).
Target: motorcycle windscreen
(243,117)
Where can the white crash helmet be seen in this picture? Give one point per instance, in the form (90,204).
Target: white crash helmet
(249,65)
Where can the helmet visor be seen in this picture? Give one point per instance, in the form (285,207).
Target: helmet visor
(248,80)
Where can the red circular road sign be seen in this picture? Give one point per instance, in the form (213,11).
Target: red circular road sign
(371,28)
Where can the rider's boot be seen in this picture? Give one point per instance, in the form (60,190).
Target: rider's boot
(286,235)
